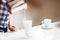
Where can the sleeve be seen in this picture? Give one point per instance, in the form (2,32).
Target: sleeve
(9,0)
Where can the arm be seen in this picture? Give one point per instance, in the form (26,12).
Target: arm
(10,0)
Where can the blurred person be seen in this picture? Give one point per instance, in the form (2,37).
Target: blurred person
(5,12)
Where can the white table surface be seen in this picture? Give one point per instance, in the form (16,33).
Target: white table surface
(37,34)
(19,35)
(45,34)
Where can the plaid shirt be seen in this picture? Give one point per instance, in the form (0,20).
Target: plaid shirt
(4,14)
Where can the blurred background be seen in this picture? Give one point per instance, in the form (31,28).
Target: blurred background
(35,10)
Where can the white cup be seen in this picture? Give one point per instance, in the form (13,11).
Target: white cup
(28,27)
(47,22)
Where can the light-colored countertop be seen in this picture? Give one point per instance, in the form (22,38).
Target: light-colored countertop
(19,35)
(37,34)
(45,34)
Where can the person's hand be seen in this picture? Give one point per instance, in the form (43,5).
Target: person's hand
(12,28)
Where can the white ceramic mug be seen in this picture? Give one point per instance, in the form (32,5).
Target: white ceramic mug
(47,22)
